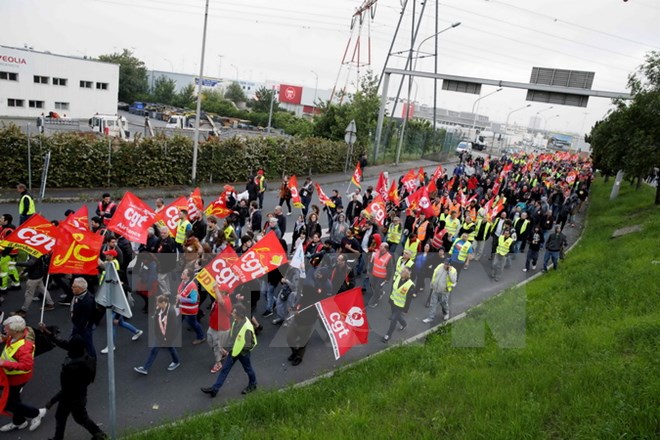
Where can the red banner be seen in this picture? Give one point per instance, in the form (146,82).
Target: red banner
(132,218)
(218,272)
(393,194)
(381,186)
(195,205)
(410,181)
(290,94)
(345,320)
(322,197)
(295,195)
(76,253)
(266,255)
(376,210)
(79,220)
(420,200)
(168,217)
(36,236)
(357,176)
(218,208)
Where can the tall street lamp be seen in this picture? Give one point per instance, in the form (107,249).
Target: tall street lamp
(199,96)
(474,121)
(171,65)
(545,125)
(316,86)
(414,67)
(236,69)
(220,67)
(506,124)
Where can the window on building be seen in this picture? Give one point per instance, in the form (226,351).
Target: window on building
(86,84)
(9,76)
(41,79)
(61,105)
(35,104)
(11,102)
(101,86)
(59,81)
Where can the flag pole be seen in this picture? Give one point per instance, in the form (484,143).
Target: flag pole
(301,310)
(43,302)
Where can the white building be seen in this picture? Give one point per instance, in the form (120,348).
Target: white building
(33,82)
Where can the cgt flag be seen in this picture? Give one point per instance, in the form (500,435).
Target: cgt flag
(345,320)
(218,208)
(36,236)
(195,205)
(219,272)
(323,198)
(76,253)
(357,176)
(79,220)
(267,254)
(295,195)
(376,210)
(132,218)
(168,217)
(381,186)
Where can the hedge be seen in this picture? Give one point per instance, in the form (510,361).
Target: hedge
(80,160)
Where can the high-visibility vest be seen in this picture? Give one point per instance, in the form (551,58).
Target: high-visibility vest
(452,226)
(189,308)
(473,230)
(379,269)
(109,208)
(523,228)
(31,208)
(503,245)
(239,342)
(482,230)
(181,231)
(463,251)
(114,263)
(412,246)
(8,355)
(259,180)
(400,265)
(229,231)
(421,230)
(450,285)
(437,240)
(400,291)
(394,233)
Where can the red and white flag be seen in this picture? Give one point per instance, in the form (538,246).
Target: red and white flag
(195,205)
(357,176)
(410,181)
(132,219)
(345,320)
(218,207)
(36,236)
(381,186)
(267,254)
(323,198)
(76,253)
(420,200)
(79,220)
(292,184)
(376,210)
(168,217)
(219,272)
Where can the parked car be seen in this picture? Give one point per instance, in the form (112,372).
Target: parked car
(464,146)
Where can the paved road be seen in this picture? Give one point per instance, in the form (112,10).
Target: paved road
(163,396)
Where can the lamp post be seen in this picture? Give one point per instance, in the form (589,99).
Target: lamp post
(545,125)
(316,86)
(199,96)
(474,121)
(506,124)
(220,67)
(171,65)
(236,69)
(405,117)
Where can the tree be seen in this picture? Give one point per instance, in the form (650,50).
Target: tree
(262,99)
(163,91)
(185,98)
(133,82)
(235,93)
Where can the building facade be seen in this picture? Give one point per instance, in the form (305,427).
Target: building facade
(32,83)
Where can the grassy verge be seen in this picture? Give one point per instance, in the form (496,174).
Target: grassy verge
(587,365)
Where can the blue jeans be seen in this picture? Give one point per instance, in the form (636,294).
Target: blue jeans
(532,257)
(194,323)
(268,292)
(244,359)
(154,352)
(548,255)
(124,324)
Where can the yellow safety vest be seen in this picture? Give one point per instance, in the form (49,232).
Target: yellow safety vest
(181,231)
(485,231)
(394,233)
(412,246)
(503,245)
(114,263)
(463,253)
(31,207)
(400,291)
(450,285)
(8,355)
(524,226)
(399,266)
(472,234)
(239,343)
(452,226)
(229,231)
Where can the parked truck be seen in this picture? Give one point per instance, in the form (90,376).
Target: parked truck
(109,125)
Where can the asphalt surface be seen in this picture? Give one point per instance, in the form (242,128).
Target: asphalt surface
(162,396)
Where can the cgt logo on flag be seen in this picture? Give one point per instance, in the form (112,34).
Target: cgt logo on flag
(345,320)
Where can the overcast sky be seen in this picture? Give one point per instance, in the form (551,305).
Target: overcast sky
(285,40)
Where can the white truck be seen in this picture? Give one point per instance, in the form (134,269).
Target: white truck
(187,122)
(109,125)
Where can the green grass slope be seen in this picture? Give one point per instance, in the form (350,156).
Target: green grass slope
(573,354)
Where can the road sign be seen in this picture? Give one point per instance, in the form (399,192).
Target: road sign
(111,293)
(350,137)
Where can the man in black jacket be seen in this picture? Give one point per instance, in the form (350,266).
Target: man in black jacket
(553,246)
(83,308)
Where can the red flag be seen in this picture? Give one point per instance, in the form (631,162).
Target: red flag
(219,272)
(376,209)
(497,207)
(168,217)
(410,181)
(434,178)
(322,197)
(420,175)
(36,236)
(218,208)
(357,176)
(345,320)
(420,199)
(496,187)
(266,255)
(393,194)
(295,196)
(79,220)
(195,205)
(132,218)
(381,186)
(76,253)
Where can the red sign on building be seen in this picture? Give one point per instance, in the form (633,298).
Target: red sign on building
(290,94)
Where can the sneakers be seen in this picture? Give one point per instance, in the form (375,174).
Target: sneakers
(64,303)
(137,335)
(141,370)
(210,391)
(446,316)
(534,267)
(34,423)
(49,307)
(386,338)
(288,213)
(525,269)
(248,389)
(198,341)
(216,367)
(278,321)
(105,350)
(173,366)
(10,426)
(402,327)
(267,313)
(63,296)
(427,320)
(36,299)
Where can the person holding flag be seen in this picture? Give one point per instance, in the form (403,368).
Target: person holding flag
(183,229)
(188,301)
(400,299)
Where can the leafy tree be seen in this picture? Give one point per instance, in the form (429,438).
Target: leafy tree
(235,93)
(163,91)
(185,98)
(133,82)
(262,99)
